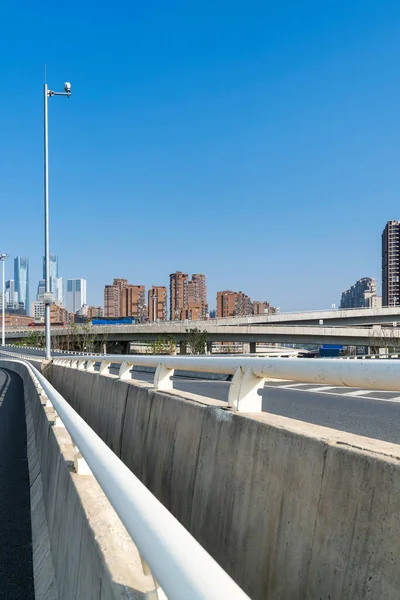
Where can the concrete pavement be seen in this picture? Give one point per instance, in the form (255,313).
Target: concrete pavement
(16,574)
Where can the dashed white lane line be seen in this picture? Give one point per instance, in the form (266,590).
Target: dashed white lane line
(395,400)
(291,385)
(323,389)
(359,392)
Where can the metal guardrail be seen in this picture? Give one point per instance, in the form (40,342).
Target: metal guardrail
(250,373)
(177,561)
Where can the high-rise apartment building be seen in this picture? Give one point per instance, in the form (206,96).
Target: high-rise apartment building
(177,294)
(133,302)
(262,308)
(21,280)
(111,301)
(197,296)
(76,294)
(361,295)
(157,303)
(188,298)
(391,264)
(122,299)
(233,304)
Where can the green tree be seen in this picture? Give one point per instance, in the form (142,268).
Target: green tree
(197,340)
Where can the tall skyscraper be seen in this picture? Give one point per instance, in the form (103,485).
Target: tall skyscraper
(157,303)
(391,264)
(177,294)
(53,266)
(21,279)
(76,294)
(56,282)
(11,295)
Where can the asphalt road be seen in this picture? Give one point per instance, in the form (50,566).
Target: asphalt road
(376,417)
(16,574)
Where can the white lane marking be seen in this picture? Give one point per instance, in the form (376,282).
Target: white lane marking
(323,389)
(359,392)
(395,400)
(291,385)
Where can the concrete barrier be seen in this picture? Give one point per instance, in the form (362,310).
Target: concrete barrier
(290,510)
(80,548)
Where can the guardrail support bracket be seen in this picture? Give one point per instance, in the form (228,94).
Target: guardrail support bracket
(243,391)
(163,378)
(125,370)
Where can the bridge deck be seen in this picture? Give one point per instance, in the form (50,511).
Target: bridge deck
(16,573)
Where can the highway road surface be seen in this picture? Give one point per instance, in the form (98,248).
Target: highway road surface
(16,574)
(370,413)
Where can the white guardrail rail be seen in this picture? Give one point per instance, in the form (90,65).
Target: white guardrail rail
(249,373)
(179,564)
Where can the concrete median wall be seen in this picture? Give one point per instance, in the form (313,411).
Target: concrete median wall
(292,511)
(81,549)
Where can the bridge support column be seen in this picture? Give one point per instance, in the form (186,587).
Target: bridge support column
(125,347)
(253,347)
(209,348)
(246,348)
(182,347)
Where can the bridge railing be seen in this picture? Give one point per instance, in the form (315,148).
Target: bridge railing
(178,563)
(249,373)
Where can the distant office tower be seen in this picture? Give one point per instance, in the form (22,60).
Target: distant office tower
(177,294)
(233,304)
(56,282)
(41,290)
(53,266)
(76,294)
(90,312)
(21,279)
(157,303)
(361,295)
(391,264)
(11,295)
(197,307)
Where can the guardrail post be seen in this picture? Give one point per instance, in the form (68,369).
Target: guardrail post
(163,378)
(80,465)
(243,391)
(104,365)
(90,366)
(125,370)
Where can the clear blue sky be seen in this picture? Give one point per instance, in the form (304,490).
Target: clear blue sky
(255,142)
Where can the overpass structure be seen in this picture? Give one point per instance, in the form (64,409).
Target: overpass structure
(249,333)
(140,484)
(350,316)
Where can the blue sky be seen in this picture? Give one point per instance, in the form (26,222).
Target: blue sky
(255,142)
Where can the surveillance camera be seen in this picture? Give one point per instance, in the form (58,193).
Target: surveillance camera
(67,87)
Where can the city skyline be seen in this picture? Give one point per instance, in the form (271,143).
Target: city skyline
(247,125)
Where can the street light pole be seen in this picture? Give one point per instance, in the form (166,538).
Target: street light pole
(47,297)
(3,258)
